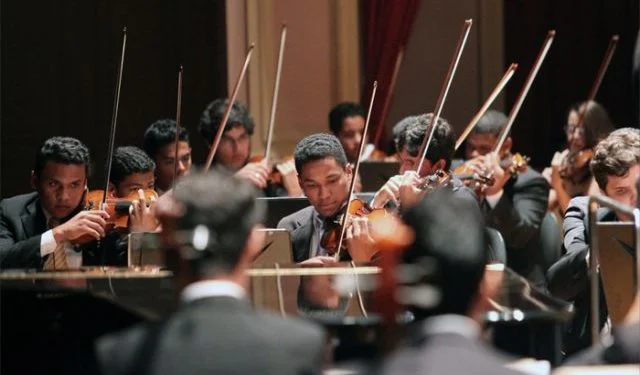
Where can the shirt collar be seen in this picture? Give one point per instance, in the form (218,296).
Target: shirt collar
(211,288)
(451,324)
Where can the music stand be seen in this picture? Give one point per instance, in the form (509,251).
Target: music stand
(144,249)
(374,174)
(276,248)
(616,244)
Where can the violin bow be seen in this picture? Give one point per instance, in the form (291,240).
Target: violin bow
(355,171)
(466,28)
(114,116)
(387,99)
(227,112)
(178,115)
(485,107)
(602,70)
(276,90)
(546,45)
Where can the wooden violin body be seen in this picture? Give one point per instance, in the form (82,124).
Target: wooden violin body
(275,176)
(117,208)
(575,166)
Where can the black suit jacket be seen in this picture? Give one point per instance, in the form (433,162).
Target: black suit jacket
(300,223)
(569,276)
(22,223)
(518,215)
(448,354)
(625,349)
(216,335)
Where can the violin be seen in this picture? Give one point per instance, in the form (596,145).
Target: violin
(575,166)
(117,208)
(356,208)
(513,164)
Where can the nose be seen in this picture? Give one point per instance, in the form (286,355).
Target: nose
(63,194)
(358,138)
(324,193)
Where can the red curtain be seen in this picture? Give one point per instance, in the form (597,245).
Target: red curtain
(386,26)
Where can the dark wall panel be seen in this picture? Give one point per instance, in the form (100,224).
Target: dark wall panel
(59,65)
(583,28)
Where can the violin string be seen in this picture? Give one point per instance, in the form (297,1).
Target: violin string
(279,287)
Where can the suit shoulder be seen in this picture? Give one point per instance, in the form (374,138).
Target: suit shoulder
(289,221)
(119,349)
(17,203)
(531,177)
(300,333)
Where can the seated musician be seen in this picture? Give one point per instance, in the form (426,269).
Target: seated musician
(569,179)
(451,299)
(616,166)
(516,203)
(210,238)
(132,172)
(325,177)
(410,134)
(36,225)
(234,151)
(160,144)
(346,121)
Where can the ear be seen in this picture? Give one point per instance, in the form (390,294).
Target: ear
(254,244)
(506,146)
(349,169)
(112,187)
(34,180)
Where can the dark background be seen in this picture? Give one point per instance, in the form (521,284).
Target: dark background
(583,29)
(59,68)
(59,63)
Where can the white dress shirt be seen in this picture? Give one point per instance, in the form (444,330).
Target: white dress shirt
(48,245)
(211,288)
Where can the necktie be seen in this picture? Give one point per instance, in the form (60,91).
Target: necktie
(58,259)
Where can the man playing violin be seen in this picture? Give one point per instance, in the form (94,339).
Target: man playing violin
(132,174)
(234,150)
(346,121)
(410,135)
(36,225)
(615,166)
(324,176)
(514,204)
(160,144)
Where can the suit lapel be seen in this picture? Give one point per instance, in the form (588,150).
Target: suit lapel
(301,236)
(33,221)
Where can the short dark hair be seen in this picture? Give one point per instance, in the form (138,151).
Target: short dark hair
(128,160)
(160,134)
(450,235)
(65,150)
(399,130)
(340,112)
(442,143)
(492,122)
(212,117)
(614,155)
(228,208)
(318,146)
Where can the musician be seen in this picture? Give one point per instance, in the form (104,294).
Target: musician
(132,171)
(36,225)
(577,181)
(515,204)
(346,121)
(446,335)
(616,167)
(411,133)
(210,237)
(160,144)
(234,150)
(324,176)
